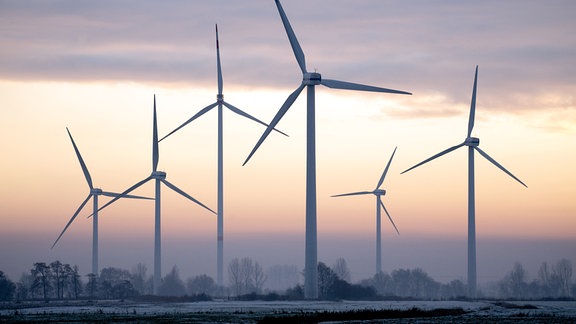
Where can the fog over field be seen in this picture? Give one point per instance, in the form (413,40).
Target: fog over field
(443,259)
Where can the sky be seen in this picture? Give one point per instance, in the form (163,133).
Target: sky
(94,67)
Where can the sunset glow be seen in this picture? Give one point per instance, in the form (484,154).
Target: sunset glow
(95,70)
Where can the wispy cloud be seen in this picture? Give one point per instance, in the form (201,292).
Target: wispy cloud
(419,45)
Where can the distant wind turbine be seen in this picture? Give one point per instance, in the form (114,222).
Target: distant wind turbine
(378,193)
(472,143)
(309,80)
(94,193)
(219,102)
(160,177)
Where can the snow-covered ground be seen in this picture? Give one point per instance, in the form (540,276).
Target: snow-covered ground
(559,311)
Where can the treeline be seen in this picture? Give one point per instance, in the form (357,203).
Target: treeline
(552,281)
(44,281)
(59,281)
(247,280)
(414,283)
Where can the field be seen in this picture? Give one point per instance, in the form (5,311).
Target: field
(293,312)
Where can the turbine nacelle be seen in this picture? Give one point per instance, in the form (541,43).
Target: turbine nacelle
(312,78)
(379,192)
(220,98)
(472,141)
(160,175)
(96,191)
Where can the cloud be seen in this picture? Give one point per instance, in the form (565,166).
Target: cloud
(424,106)
(418,46)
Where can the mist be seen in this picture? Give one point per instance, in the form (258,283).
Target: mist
(443,259)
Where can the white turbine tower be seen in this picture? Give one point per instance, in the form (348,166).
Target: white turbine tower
(379,205)
(160,177)
(219,103)
(472,143)
(94,193)
(309,81)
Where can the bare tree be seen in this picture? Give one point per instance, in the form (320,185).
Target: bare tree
(171,284)
(24,286)
(258,277)
(66,278)
(59,275)
(202,284)
(414,283)
(517,280)
(383,284)
(42,275)
(454,289)
(139,279)
(424,286)
(245,276)
(92,285)
(76,282)
(545,279)
(562,271)
(7,287)
(234,276)
(340,268)
(326,281)
(115,283)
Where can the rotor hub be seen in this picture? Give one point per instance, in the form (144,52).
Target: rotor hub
(220,97)
(96,191)
(160,175)
(472,141)
(380,192)
(312,78)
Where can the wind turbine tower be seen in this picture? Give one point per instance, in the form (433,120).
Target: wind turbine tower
(219,103)
(473,144)
(379,206)
(159,177)
(94,193)
(309,81)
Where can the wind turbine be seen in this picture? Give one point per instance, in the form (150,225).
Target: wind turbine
(472,143)
(309,80)
(219,103)
(378,193)
(94,193)
(160,177)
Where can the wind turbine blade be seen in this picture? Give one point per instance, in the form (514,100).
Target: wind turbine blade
(82,164)
(335,84)
(473,104)
(113,194)
(390,218)
(355,193)
(198,114)
(289,101)
(72,219)
(484,154)
(125,193)
(435,156)
(155,153)
(173,187)
(218,65)
(292,38)
(244,114)
(386,169)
